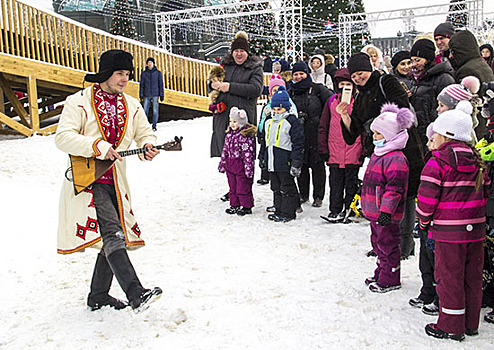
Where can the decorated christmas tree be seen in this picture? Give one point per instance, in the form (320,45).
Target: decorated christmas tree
(267,39)
(459,17)
(322,16)
(121,22)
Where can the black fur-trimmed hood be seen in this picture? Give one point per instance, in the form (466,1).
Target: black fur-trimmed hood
(250,63)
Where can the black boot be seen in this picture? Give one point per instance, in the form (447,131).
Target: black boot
(100,286)
(139,297)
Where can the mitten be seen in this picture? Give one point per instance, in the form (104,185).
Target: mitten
(221,107)
(430,244)
(212,107)
(295,172)
(262,164)
(384,219)
(162,98)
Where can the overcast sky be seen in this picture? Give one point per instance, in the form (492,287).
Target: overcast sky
(425,24)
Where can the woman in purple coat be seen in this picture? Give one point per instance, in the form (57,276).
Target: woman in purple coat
(384,192)
(452,195)
(237,160)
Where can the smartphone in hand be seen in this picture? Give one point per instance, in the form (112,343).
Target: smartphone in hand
(346,94)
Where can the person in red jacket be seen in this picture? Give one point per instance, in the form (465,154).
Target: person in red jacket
(451,206)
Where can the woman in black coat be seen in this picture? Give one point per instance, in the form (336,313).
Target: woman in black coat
(310,97)
(374,90)
(240,88)
(428,80)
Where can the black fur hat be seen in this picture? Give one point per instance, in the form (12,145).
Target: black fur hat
(109,62)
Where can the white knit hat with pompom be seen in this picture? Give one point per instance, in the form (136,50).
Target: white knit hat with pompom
(457,123)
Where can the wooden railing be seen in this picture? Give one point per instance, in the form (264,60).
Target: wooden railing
(35,34)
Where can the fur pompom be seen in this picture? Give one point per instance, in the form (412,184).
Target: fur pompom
(471,83)
(389,107)
(242,34)
(465,107)
(405,118)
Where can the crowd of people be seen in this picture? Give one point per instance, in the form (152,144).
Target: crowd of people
(421,127)
(415,123)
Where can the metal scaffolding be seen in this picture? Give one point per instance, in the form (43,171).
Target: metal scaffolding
(290,12)
(348,22)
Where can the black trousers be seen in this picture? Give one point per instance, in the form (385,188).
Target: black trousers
(343,185)
(318,180)
(426,265)
(285,193)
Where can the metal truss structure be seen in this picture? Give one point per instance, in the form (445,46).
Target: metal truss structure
(349,22)
(290,12)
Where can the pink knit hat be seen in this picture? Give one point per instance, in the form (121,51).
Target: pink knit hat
(275,80)
(392,120)
(452,94)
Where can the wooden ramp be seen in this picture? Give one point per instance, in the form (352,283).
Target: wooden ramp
(44,57)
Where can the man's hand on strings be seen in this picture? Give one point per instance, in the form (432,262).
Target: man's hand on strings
(151,152)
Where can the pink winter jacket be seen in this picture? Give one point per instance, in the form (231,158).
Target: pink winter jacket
(330,137)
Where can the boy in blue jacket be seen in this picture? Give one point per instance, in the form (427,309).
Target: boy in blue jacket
(282,147)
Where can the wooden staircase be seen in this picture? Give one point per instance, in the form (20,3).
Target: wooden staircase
(45,57)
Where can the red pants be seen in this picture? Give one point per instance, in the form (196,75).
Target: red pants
(459,285)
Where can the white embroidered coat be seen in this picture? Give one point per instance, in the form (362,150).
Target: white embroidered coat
(81,132)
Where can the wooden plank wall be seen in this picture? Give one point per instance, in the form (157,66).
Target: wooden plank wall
(31,33)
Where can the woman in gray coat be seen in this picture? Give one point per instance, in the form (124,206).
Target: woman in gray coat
(240,88)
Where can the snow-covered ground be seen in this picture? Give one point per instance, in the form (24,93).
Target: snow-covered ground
(229,282)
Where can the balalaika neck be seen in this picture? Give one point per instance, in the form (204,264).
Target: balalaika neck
(131,152)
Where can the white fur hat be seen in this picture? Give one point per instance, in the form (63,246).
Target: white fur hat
(454,124)
(239,115)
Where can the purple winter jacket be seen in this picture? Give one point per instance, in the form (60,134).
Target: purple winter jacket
(447,195)
(385,186)
(239,151)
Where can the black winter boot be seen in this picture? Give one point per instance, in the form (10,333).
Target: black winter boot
(100,286)
(139,297)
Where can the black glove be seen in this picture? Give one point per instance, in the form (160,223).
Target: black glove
(262,164)
(295,172)
(162,98)
(384,219)
(324,157)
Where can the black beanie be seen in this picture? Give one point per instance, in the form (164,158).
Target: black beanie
(300,66)
(424,48)
(400,56)
(359,62)
(445,29)
(150,59)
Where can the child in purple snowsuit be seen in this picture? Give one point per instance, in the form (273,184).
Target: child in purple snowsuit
(237,160)
(452,195)
(384,193)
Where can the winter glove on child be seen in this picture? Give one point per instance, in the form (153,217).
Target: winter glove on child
(384,219)
(295,172)
(430,244)
(262,164)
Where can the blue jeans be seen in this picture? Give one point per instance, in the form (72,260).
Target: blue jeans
(154,100)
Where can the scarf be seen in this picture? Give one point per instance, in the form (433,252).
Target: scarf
(398,142)
(302,86)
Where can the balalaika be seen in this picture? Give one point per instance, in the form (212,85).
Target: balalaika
(83,172)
